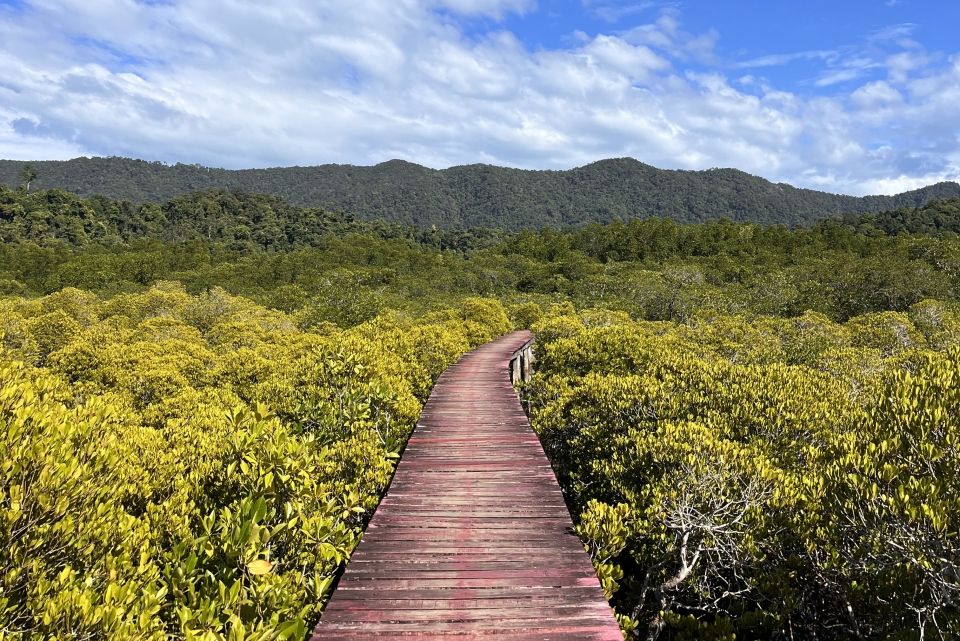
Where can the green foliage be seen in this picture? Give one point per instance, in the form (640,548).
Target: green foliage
(336,269)
(936,218)
(738,478)
(147,491)
(524,315)
(27,175)
(237,221)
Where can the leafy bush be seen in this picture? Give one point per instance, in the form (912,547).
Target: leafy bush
(761,478)
(197,466)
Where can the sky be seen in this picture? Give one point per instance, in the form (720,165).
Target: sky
(849,96)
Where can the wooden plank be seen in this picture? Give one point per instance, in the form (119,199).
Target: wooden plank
(489,621)
(462,615)
(473,539)
(506,579)
(568,633)
(478,594)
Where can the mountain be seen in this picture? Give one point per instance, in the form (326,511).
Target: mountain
(480,195)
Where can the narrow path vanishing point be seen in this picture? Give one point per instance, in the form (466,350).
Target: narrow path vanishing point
(473,540)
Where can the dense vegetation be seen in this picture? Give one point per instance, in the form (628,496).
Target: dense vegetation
(288,258)
(762,477)
(197,466)
(236,221)
(478,195)
(201,402)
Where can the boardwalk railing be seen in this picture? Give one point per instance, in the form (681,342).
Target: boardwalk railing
(473,540)
(521,363)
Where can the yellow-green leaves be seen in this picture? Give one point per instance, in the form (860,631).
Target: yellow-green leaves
(766,477)
(260,566)
(197,466)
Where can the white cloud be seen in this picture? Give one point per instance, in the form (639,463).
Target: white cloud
(666,34)
(876,94)
(902,183)
(493,8)
(616,10)
(896,32)
(636,62)
(777,60)
(240,84)
(901,65)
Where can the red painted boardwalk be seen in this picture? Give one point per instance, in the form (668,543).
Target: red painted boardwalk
(473,540)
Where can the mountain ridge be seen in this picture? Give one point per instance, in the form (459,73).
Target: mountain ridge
(481,195)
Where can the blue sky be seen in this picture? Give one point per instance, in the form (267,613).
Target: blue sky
(851,96)
(748,30)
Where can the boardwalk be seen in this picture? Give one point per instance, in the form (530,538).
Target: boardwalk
(473,540)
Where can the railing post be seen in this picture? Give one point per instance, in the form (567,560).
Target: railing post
(521,363)
(527,362)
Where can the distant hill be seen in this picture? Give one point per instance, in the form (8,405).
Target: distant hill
(937,218)
(480,195)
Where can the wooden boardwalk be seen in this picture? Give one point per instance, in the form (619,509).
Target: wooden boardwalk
(473,540)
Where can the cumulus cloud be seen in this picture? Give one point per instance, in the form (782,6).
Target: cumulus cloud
(242,84)
(876,94)
(634,61)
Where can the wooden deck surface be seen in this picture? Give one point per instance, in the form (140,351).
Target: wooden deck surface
(473,540)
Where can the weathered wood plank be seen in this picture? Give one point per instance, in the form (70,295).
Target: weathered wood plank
(473,539)
(567,633)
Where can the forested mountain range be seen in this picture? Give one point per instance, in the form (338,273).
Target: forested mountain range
(479,195)
(249,222)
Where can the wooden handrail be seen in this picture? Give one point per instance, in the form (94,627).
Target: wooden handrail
(521,363)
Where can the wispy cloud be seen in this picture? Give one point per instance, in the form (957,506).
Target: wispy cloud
(666,33)
(779,59)
(845,69)
(895,32)
(614,11)
(493,8)
(854,62)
